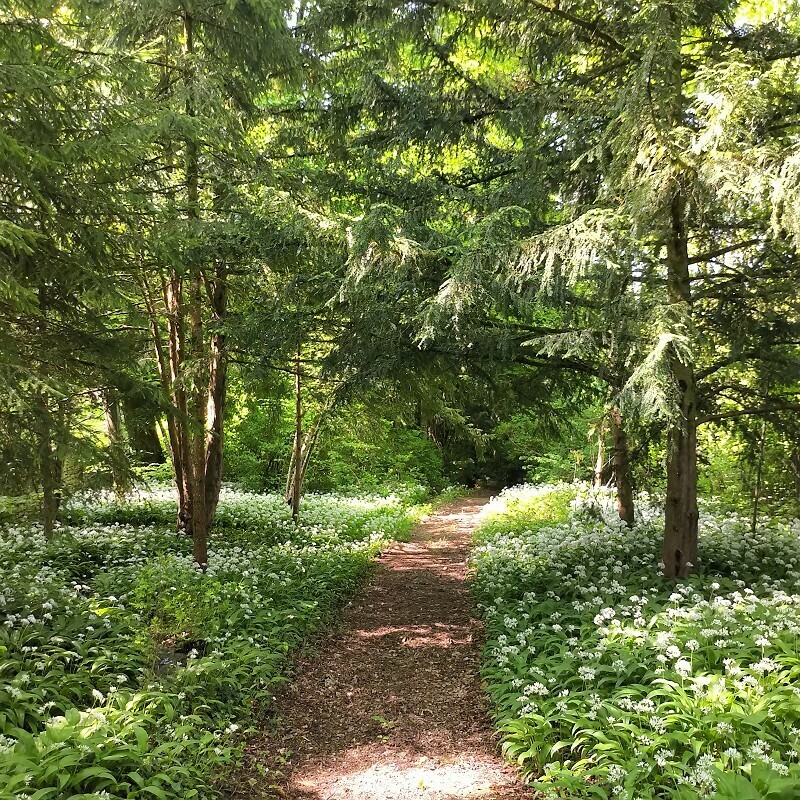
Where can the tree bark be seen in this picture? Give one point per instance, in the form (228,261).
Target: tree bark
(600,462)
(621,463)
(50,470)
(298,439)
(217,393)
(679,554)
(177,421)
(306,451)
(759,475)
(116,440)
(195,430)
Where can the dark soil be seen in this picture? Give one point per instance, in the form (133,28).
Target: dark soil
(391,706)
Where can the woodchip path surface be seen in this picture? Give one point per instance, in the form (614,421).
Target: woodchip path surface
(390,707)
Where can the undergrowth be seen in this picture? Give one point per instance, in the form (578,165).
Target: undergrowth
(125,672)
(609,681)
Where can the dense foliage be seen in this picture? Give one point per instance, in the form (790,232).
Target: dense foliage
(126,672)
(610,681)
(323,245)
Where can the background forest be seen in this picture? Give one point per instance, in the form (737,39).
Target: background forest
(488,239)
(334,246)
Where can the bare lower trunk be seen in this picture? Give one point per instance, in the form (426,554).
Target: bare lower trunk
(306,451)
(50,470)
(196,431)
(759,476)
(600,462)
(308,448)
(681,516)
(298,440)
(287,492)
(116,441)
(621,462)
(177,421)
(51,497)
(217,393)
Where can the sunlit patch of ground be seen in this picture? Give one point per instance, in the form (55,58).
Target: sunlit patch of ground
(405,777)
(422,635)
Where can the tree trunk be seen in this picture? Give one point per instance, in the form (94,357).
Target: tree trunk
(177,420)
(621,462)
(759,475)
(51,489)
(297,478)
(309,443)
(195,429)
(306,450)
(50,470)
(217,394)
(679,554)
(116,440)
(600,462)
(680,520)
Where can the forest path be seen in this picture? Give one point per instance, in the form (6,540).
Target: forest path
(391,706)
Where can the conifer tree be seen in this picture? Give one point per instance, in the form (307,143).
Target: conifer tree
(210,62)
(615,148)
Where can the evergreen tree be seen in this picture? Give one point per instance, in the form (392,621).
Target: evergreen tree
(209,65)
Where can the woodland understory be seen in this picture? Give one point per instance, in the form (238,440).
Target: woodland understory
(279,279)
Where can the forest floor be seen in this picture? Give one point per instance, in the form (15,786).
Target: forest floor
(390,706)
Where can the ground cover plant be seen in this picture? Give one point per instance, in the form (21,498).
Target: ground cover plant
(610,681)
(125,671)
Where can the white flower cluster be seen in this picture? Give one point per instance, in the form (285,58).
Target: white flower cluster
(111,633)
(650,685)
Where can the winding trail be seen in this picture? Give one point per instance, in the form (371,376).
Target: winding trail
(391,706)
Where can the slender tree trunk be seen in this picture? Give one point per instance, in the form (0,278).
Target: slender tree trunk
(298,439)
(166,360)
(178,419)
(621,461)
(50,470)
(759,475)
(217,393)
(197,401)
(679,554)
(196,431)
(287,492)
(681,516)
(309,443)
(306,451)
(600,462)
(51,489)
(116,440)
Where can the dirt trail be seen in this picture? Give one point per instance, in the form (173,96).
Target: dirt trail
(391,706)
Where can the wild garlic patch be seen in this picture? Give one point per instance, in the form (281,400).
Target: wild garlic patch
(610,682)
(124,669)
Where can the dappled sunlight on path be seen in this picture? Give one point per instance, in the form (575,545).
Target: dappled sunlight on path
(392,707)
